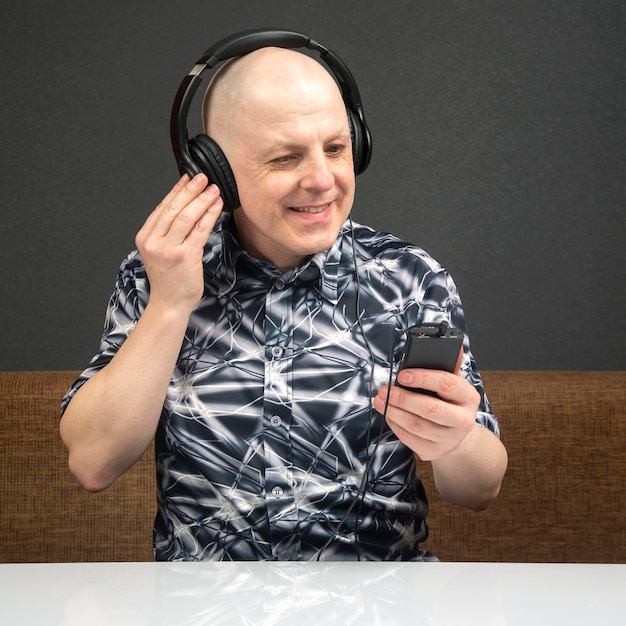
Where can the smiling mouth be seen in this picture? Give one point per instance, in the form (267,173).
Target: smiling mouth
(309,209)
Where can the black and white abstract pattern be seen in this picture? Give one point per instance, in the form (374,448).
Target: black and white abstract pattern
(268,447)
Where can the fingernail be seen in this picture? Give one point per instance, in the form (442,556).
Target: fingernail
(212,190)
(404,377)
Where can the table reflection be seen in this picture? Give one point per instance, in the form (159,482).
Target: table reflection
(271,594)
(302,594)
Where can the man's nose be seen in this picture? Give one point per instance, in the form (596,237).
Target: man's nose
(318,173)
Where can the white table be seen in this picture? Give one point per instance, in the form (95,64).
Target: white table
(299,594)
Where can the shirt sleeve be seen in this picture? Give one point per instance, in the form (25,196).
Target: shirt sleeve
(441,300)
(125,307)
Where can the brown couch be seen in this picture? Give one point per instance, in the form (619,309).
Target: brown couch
(563,499)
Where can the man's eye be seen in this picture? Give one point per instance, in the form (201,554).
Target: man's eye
(283,160)
(336,149)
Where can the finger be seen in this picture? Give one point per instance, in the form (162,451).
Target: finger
(182,182)
(171,210)
(185,223)
(449,387)
(177,227)
(154,216)
(413,430)
(404,406)
(425,449)
(459,362)
(428,435)
(205,223)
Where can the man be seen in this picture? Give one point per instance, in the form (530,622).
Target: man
(244,345)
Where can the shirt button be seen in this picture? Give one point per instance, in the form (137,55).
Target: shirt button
(284,555)
(277,491)
(279,284)
(277,351)
(275,421)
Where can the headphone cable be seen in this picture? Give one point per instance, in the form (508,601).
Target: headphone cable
(360,495)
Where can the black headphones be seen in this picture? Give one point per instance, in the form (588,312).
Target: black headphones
(202,154)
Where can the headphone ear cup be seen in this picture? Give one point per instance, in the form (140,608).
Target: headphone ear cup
(209,157)
(358,142)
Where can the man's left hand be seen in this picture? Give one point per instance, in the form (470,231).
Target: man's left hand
(430,426)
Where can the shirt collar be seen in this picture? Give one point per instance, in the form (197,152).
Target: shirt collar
(326,270)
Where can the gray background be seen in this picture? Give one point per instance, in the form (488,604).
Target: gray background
(499,146)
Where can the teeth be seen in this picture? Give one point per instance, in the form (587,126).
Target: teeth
(308,209)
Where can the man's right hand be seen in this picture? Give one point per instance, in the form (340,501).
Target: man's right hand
(172,240)
(112,419)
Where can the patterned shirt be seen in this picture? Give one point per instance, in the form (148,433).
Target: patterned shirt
(268,446)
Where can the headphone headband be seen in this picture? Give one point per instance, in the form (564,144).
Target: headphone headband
(249,40)
(189,152)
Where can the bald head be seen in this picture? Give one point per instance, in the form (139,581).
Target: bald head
(264,78)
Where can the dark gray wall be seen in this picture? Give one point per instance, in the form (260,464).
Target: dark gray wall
(499,131)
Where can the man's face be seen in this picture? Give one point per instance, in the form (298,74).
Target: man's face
(292,161)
